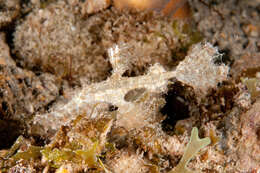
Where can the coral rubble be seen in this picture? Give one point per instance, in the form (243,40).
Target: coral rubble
(116,86)
(9,11)
(60,40)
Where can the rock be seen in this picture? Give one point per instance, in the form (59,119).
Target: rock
(9,11)
(5,58)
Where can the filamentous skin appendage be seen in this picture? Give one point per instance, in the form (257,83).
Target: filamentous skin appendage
(196,70)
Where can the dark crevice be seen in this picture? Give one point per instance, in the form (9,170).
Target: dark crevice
(226,57)
(7,133)
(50,104)
(9,29)
(9,36)
(177,99)
(4,106)
(37,140)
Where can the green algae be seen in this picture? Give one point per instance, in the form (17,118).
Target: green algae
(192,149)
(57,157)
(32,153)
(253,86)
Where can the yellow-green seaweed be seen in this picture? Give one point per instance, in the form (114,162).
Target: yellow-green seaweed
(57,157)
(193,147)
(32,153)
(253,85)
